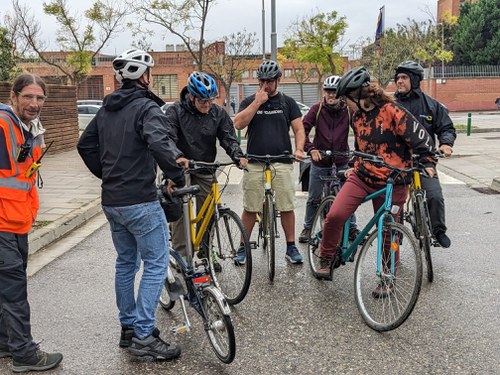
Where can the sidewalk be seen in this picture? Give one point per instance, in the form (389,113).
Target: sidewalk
(70,196)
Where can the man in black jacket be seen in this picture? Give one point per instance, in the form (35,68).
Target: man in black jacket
(434,116)
(122,145)
(195,124)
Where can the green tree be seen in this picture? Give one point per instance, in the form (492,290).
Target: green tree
(181,18)
(103,21)
(314,39)
(227,61)
(7,63)
(476,39)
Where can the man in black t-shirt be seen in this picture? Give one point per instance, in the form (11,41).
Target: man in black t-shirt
(269,115)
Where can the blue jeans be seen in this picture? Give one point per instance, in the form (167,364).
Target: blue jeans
(139,231)
(315,189)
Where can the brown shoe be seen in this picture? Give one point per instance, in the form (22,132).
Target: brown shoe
(304,235)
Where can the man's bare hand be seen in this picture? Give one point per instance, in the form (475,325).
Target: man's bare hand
(261,96)
(299,155)
(446,150)
(315,155)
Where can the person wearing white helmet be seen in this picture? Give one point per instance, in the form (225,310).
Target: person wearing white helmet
(331,119)
(122,145)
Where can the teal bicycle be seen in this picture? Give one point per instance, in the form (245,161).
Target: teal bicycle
(388,273)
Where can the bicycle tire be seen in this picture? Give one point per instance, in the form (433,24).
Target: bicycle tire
(314,243)
(387,312)
(425,238)
(234,278)
(270,235)
(165,301)
(219,327)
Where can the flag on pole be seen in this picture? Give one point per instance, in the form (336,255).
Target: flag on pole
(380,26)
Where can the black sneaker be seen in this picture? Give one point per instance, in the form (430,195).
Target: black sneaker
(126,337)
(443,240)
(41,361)
(154,347)
(353,233)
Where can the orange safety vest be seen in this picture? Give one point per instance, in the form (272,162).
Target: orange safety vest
(19,202)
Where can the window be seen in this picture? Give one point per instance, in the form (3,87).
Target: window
(288,73)
(166,86)
(254,74)
(245,74)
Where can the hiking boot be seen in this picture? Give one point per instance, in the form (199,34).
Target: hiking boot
(217,267)
(353,233)
(41,361)
(126,337)
(382,291)
(5,353)
(293,255)
(325,269)
(443,240)
(154,347)
(241,256)
(304,235)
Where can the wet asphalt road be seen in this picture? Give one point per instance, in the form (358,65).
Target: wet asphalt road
(297,324)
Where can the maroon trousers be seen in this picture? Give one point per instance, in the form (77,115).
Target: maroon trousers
(345,204)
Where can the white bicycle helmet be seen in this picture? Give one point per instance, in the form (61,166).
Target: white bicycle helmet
(331,83)
(132,64)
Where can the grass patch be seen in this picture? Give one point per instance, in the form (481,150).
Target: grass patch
(41,223)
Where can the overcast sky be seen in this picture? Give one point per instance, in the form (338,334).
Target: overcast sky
(229,16)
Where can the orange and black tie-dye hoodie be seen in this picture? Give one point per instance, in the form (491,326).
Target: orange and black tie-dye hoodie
(394,134)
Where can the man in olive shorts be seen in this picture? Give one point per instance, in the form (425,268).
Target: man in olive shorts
(269,115)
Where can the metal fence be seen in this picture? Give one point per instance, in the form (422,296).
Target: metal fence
(466,71)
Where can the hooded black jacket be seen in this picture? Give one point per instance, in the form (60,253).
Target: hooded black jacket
(122,142)
(430,113)
(195,134)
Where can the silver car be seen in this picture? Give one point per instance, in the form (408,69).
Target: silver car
(86,112)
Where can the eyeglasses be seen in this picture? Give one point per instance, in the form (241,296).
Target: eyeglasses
(402,76)
(330,93)
(29,97)
(268,81)
(205,101)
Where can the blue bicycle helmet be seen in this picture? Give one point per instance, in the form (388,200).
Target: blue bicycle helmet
(202,86)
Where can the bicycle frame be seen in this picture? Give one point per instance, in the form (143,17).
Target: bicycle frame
(382,213)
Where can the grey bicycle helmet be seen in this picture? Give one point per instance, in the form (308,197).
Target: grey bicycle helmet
(331,83)
(269,70)
(132,64)
(202,86)
(352,80)
(413,70)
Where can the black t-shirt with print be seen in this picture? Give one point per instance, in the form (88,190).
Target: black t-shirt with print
(269,130)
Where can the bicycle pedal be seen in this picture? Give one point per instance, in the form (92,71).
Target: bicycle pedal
(180,329)
(253,244)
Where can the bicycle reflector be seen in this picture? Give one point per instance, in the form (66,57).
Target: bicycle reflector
(202,279)
(394,246)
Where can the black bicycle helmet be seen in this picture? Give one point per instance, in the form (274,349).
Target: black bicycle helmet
(352,80)
(269,70)
(413,70)
(202,86)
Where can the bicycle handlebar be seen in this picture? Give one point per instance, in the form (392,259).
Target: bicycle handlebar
(270,158)
(195,166)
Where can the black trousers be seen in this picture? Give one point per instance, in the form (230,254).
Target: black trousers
(15,327)
(435,202)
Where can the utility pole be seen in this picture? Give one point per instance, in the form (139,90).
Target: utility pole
(274,53)
(263,31)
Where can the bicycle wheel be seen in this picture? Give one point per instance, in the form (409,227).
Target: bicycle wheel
(316,235)
(165,301)
(424,233)
(270,235)
(233,279)
(385,299)
(218,326)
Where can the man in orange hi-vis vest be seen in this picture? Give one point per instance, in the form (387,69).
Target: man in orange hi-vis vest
(21,142)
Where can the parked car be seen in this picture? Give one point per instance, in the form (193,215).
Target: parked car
(86,112)
(303,108)
(89,101)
